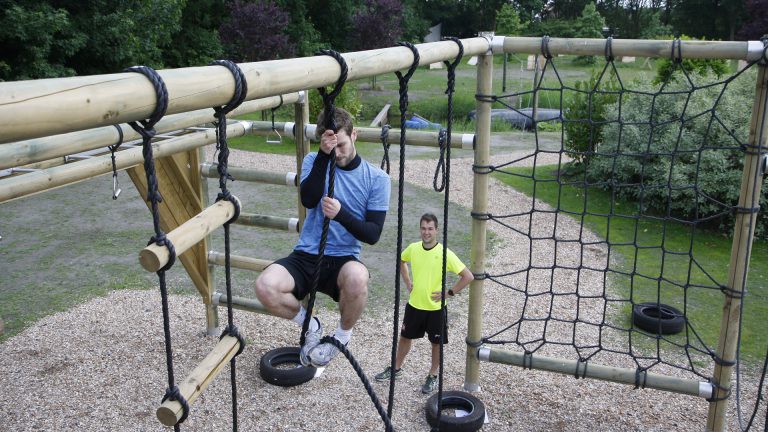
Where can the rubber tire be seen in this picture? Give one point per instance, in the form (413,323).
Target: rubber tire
(658,318)
(284,377)
(456,399)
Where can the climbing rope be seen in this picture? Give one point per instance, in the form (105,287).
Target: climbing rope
(451,87)
(403,81)
(220,113)
(330,124)
(385,144)
(146,128)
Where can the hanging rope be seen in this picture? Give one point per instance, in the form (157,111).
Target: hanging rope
(330,124)
(385,143)
(403,80)
(112,149)
(241,89)
(440,170)
(446,185)
(146,128)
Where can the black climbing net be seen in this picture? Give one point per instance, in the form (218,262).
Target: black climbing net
(627,185)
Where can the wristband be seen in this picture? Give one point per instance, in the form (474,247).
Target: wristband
(451,293)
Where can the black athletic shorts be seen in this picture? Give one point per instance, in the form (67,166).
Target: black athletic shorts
(301,266)
(416,322)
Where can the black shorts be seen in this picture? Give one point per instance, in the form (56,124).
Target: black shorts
(301,266)
(417,322)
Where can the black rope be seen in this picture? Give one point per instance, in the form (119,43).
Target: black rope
(442,137)
(403,106)
(385,144)
(676,54)
(273,113)
(329,118)
(241,90)
(112,149)
(545,47)
(146,128)
(609,49)
(451,88)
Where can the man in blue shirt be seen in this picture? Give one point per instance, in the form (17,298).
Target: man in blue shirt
(357,212)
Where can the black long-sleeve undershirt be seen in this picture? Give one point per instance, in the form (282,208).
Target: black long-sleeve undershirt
(312,188)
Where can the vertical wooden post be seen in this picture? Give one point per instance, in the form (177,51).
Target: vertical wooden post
(479,205)
(301,112)
(211,311)
(749,198)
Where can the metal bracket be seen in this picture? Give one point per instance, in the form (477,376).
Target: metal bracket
(489,37)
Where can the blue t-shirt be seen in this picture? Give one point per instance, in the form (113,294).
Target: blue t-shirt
(359,190)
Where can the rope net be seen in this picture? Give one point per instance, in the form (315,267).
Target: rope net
(616,212)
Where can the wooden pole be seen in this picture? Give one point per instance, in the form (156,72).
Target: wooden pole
(35,108)
(480,206)
(242,303)
(264,221)
(743,236)
(38,181)
(373,135)
(251,175)
(301,116)
(606,373)
(237,261)
(193,385)
(211,311)
(40,149)
(154,257)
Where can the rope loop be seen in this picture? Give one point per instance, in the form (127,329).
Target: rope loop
(329,98)
(275,109)
(483,169)
(226,195)
(481,216)
(451,66)
(717,386)
(640,383)
(162,99)
(581,372)
(403,79)
(486,98)
(241,86)
(609,49)
(528,360)
(677,50)
(232,330)
(162,240)
(545,47)
(442,137)
(112,148)
(385,143)
(473,344)
(174,394)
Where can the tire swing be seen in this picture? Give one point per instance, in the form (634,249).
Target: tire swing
(442,409)
(658,318)
(457,400)
(282,366)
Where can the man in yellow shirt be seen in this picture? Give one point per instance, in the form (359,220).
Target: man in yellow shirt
(422,313)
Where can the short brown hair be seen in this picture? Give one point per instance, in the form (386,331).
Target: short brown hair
(428,217)
(343,121)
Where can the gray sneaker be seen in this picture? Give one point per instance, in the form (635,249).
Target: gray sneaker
(311,341)
(430,384)
(387,374)
(323,354)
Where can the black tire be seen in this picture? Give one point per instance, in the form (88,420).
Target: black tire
(658,318)
(456,399)
(281,376)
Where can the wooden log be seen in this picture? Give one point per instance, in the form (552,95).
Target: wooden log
(35,150)
(479,229)
(382,117)
(272,222)
(242,303)
(251,175)
(238,261)
(301,116)
(193,385)
(701,389)
(373,135)
(154,257)
(35,108)
(38,181)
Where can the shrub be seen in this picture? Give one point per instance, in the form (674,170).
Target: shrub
(584,112)
(347,99)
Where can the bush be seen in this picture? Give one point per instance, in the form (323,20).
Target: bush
(347,99)
(679,155)
(584,112)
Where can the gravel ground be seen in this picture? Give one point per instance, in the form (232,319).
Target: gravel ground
(101,366)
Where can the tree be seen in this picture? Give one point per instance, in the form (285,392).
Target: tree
(197,42)
(708,19)
(300,30)
(756,25)
(508,21)
(666,68)
(253,32)
(333,20)
(378,24)
(589,25)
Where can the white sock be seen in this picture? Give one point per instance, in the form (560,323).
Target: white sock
(343,335)
(299,319)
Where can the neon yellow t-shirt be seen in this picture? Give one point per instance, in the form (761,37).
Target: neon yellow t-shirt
(427,271)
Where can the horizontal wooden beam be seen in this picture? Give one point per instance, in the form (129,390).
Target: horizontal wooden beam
(605,373)
(242,303)
(38,181)
(36,108)
(238,261)
(154,257)
(40,149)
(272,222)
(209,170)
(170,412)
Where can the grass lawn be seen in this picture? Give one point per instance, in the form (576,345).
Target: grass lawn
(711,250)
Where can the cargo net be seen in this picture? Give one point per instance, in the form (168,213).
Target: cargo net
(638,182)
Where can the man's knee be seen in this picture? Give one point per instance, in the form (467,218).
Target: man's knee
(268,286)
(354,279)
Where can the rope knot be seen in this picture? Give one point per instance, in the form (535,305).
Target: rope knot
(174,394)
(232,330)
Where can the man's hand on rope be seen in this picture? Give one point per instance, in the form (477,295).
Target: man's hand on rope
(331,207)
(328,142)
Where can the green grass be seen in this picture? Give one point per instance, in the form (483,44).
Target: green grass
(710,249)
